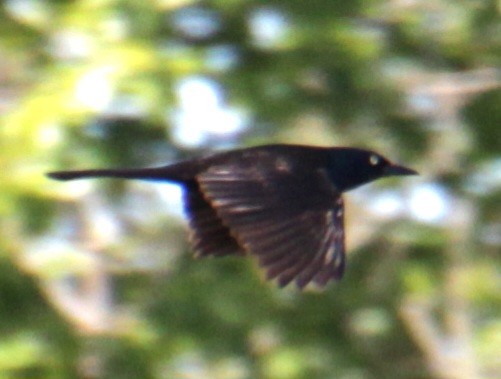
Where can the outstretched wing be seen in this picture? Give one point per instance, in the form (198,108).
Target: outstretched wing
(292,222)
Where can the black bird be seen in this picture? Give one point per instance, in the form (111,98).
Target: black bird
(280,203)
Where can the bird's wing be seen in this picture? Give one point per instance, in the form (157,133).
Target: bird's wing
(292,222)
(208,234)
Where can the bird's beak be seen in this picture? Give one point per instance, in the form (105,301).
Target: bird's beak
(396,170)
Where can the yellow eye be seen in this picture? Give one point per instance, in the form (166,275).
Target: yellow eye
(374,160)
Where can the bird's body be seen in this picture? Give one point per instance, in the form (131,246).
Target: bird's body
(281,203)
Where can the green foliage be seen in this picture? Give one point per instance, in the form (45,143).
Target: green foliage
(96,279)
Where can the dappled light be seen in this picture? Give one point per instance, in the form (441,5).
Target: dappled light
(97,279)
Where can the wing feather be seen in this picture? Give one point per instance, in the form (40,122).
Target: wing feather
(208,234)
(292,222)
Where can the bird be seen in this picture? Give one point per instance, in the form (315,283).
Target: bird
(279,203)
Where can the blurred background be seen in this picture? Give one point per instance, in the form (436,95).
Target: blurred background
(96,277)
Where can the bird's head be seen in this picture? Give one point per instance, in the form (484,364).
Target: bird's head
(350,168)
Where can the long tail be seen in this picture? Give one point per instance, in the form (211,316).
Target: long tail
(171,173)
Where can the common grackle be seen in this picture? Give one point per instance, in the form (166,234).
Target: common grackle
(280,203)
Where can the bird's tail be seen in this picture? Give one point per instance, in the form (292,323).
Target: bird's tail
(175,173)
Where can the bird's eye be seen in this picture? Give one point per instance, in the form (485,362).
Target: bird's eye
(374,160)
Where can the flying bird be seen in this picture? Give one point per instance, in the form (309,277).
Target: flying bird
(282,204)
